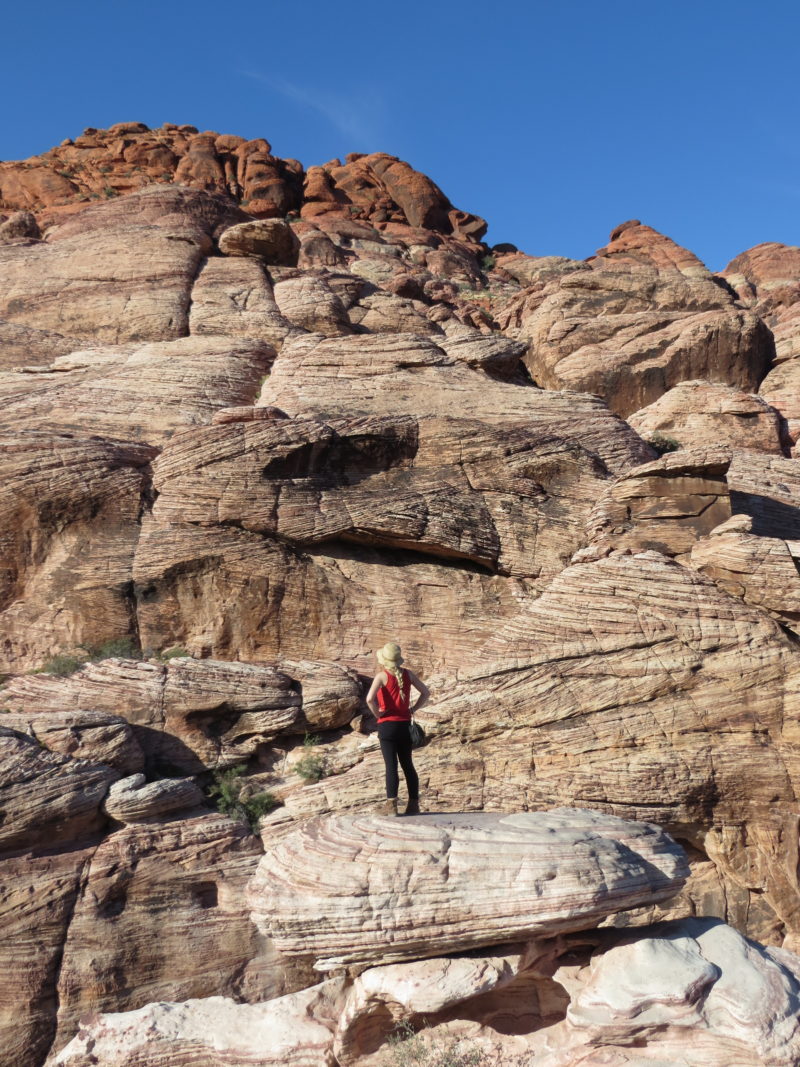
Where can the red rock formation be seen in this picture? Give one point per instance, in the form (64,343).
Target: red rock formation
(104,164)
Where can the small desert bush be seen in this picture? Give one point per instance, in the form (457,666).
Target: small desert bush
(172,653)
(116,647)
(65,664)
(487,262)
(226,794)
(61,665)
(663,444)
(407,1049)
(311,766)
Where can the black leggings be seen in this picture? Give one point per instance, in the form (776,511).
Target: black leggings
(395,740)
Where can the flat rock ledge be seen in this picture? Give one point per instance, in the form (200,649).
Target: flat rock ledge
(360,890)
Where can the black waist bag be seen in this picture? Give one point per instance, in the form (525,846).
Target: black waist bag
(418,737)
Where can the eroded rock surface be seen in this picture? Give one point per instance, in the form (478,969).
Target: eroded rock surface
(393,890)
(693,414)
(633,321)
(276,416)
(695,994)
(189,715)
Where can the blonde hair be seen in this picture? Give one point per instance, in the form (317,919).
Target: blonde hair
(390,658)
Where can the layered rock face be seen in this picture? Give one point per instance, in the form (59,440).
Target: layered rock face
(635,320)
(256,421)
(689,993)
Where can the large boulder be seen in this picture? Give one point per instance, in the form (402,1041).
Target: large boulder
(634,321)
(403,890)
(693,994)
(695,414)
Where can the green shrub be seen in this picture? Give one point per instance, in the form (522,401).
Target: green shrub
(663,444)
(108,192)
(61,666)
(225,792)
(311,767)
(172,653)
(65,664)
(407,1049)
(119,647)
(487,261)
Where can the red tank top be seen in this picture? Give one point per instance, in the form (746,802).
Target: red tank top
(394,705)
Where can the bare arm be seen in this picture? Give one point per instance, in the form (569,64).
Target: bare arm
(422,689)
(377,682)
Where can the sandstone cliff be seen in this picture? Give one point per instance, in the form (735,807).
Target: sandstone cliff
(257,419)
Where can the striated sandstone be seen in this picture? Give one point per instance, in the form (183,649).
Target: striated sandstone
(629,327)
(309,304)
(509,500)
(271,240)
(669,504)
(635,686)
(413,375)
(666,505)
(292,1031)
(767,488)
(693,994)
(117,272)
(135,800)
(69,510)
(47,798)
(191,715)
(222,592)
(767,278)
(781,390)
(234,297)
(380,884)
(698,413)
(140,392)
(84,735)
(37,897)
(25,346)
(763,571)
(161,916)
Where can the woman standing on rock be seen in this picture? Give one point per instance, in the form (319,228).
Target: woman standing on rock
(389,700)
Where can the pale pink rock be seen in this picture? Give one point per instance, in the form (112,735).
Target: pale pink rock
(637,319)
(695,994)
(234,298)
(140,392)
(161,916)
(133,800)
(295,1030)
(47,798)
(394,890)
(85,735)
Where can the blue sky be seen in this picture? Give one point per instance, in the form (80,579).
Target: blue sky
(555,121)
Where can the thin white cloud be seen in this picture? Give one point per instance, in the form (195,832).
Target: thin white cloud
(354,119)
